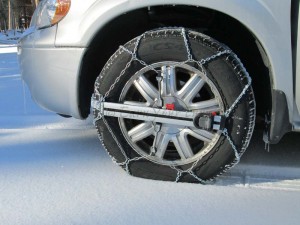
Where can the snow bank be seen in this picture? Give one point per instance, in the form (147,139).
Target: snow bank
(10,37)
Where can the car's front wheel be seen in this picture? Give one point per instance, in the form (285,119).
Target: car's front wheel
(168,72)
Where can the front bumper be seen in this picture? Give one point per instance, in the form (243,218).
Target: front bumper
(51,73)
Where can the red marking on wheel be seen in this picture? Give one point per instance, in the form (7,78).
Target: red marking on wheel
(170,106)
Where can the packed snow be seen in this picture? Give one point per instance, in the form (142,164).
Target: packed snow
(54,171)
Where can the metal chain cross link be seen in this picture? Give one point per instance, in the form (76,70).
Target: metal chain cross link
(190,58)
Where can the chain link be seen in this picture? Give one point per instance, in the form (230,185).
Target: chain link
(186,43)
(235,103)
(236,153)
(117,79)
(127,160)
(209,59)
(200,63)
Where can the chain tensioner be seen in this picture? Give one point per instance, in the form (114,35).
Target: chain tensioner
(204,121)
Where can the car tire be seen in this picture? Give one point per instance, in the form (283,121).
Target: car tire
(186,54)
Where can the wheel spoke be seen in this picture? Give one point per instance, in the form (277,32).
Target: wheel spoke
(141,131)
(202,135)
(162,142)
(191,89)
(207,106)
(182,145)
(168,81)
(147,90)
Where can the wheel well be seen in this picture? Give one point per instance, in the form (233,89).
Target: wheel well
(215,24)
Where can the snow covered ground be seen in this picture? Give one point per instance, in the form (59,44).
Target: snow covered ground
(10,36)
(54,171)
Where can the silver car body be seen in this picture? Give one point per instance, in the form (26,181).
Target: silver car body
(58,50)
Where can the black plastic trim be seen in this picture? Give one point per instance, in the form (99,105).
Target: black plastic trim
(280,123)
(294,35)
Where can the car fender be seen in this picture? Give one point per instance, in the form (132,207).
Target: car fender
(268,20)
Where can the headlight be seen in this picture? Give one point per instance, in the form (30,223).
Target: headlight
(50,12)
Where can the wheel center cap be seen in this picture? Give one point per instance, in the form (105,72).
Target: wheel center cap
(170,106)
(173,103)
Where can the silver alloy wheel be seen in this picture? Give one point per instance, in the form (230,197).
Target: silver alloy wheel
(184,88)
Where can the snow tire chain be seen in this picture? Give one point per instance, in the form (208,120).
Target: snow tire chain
(230,57)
